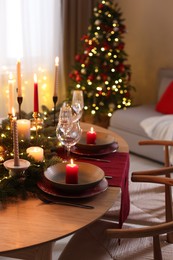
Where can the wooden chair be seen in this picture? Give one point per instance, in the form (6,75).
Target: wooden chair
(166,144)
(155,230)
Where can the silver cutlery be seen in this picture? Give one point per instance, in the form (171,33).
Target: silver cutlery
(49,201)
(108,177)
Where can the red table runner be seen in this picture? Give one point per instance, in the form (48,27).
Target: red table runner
(118,168)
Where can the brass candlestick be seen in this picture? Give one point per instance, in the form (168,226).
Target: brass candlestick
(55,99)
(36,123)
(10,117)
(20,100)
(36,115)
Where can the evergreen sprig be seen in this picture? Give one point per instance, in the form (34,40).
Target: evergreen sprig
(22,185)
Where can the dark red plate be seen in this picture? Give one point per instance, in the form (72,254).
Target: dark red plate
(51,190)
(102,151)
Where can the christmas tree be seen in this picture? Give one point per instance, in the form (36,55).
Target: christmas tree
(100,68)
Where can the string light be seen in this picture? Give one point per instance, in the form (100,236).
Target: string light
(102,45)
(93,112)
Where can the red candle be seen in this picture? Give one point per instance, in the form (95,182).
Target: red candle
(72,173)
(91,136)
(35,94)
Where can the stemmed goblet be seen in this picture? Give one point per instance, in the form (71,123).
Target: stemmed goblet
(68,132)
(77,104)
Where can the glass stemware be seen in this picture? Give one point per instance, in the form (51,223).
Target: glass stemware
(77,104)
(68,132)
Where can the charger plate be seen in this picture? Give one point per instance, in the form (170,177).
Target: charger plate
(102,151)
(102,140)
(48,188)
(89,175)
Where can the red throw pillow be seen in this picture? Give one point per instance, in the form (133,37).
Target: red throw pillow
(165,104)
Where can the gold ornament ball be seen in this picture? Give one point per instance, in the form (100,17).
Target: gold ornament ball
(2,153)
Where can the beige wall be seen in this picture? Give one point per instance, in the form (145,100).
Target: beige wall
(149,42)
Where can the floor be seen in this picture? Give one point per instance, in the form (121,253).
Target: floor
(136,164)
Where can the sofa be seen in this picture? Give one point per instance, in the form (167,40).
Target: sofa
(127,123)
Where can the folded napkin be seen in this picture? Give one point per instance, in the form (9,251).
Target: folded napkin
(159,128)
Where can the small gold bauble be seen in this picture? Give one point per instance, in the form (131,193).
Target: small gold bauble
(2,153)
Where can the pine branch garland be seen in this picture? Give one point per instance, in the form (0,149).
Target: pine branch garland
(23,185)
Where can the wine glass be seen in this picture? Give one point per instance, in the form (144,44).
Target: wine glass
(77,104)
(68,132)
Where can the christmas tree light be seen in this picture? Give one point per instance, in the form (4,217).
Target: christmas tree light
(100,69)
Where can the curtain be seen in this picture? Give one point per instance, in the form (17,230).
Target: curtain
(30,31)
(75,21)
(36,31)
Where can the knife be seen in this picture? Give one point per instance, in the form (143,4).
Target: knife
(93,159)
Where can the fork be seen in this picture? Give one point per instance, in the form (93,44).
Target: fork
(49,201)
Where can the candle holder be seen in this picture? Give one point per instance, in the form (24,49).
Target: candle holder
(55,99)
(10,117)
(20,100)
(16,170)
(36,122)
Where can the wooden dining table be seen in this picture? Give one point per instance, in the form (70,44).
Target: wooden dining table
(30,227)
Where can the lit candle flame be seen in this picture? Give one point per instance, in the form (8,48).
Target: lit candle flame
(35,78)
(57,61)
(11,76)
(71,161)
(92,130)
(13,112)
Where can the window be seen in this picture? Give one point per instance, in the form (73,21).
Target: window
(30,31)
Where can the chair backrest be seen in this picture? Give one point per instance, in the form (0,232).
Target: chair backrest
(151,176)
(155,230)
(166,145)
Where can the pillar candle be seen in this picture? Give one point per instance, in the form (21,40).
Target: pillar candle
(23,126)
(19,86)
(91,136)
(11,93)
(36,152)
(56,76)
(36,106)
(72,173)
(15,140)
